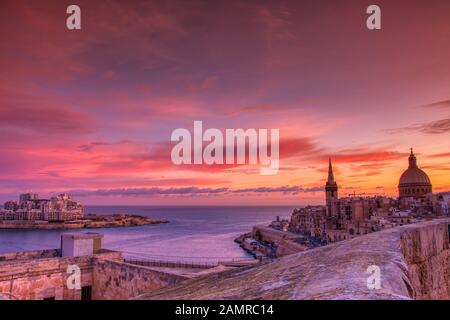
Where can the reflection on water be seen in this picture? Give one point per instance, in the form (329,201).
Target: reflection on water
(191,232)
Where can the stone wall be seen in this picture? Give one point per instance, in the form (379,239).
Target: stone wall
(38,225)
(36,275)
(25,255)
(413,261)
(42,278)
(284,241)
(118,280)
(427,254)
(39,278)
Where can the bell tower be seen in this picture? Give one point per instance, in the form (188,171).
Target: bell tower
(331,192)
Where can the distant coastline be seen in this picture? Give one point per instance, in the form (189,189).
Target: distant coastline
(89,221)
(62,212)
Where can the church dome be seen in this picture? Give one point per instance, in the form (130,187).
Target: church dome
(414,182)
(414,175)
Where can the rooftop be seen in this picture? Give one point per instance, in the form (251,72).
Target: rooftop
(86,235)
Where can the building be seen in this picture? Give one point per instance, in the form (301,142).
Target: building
(309,221)
(331,192)
(351,216)
(28,197)
(415,189)
(31,208)
(443,203)
(414,182)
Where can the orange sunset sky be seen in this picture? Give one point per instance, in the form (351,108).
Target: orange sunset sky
(91,112)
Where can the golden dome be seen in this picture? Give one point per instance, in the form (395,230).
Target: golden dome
(414,182)
(413,176)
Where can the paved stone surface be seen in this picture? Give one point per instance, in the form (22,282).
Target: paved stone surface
(413,260)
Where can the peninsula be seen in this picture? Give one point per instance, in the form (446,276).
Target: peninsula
(61,212)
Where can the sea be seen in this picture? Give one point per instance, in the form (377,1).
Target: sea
(200,232)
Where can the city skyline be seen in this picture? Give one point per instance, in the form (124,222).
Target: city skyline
(90,112)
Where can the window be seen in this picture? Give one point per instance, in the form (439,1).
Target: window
(86,293)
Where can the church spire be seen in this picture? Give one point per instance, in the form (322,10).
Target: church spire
(331,192)
(330,172)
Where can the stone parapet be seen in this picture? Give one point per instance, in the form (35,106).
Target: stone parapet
(413,261)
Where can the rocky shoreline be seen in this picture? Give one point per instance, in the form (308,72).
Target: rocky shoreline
(90,221)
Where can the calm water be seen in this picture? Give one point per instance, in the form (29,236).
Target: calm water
(192,231)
